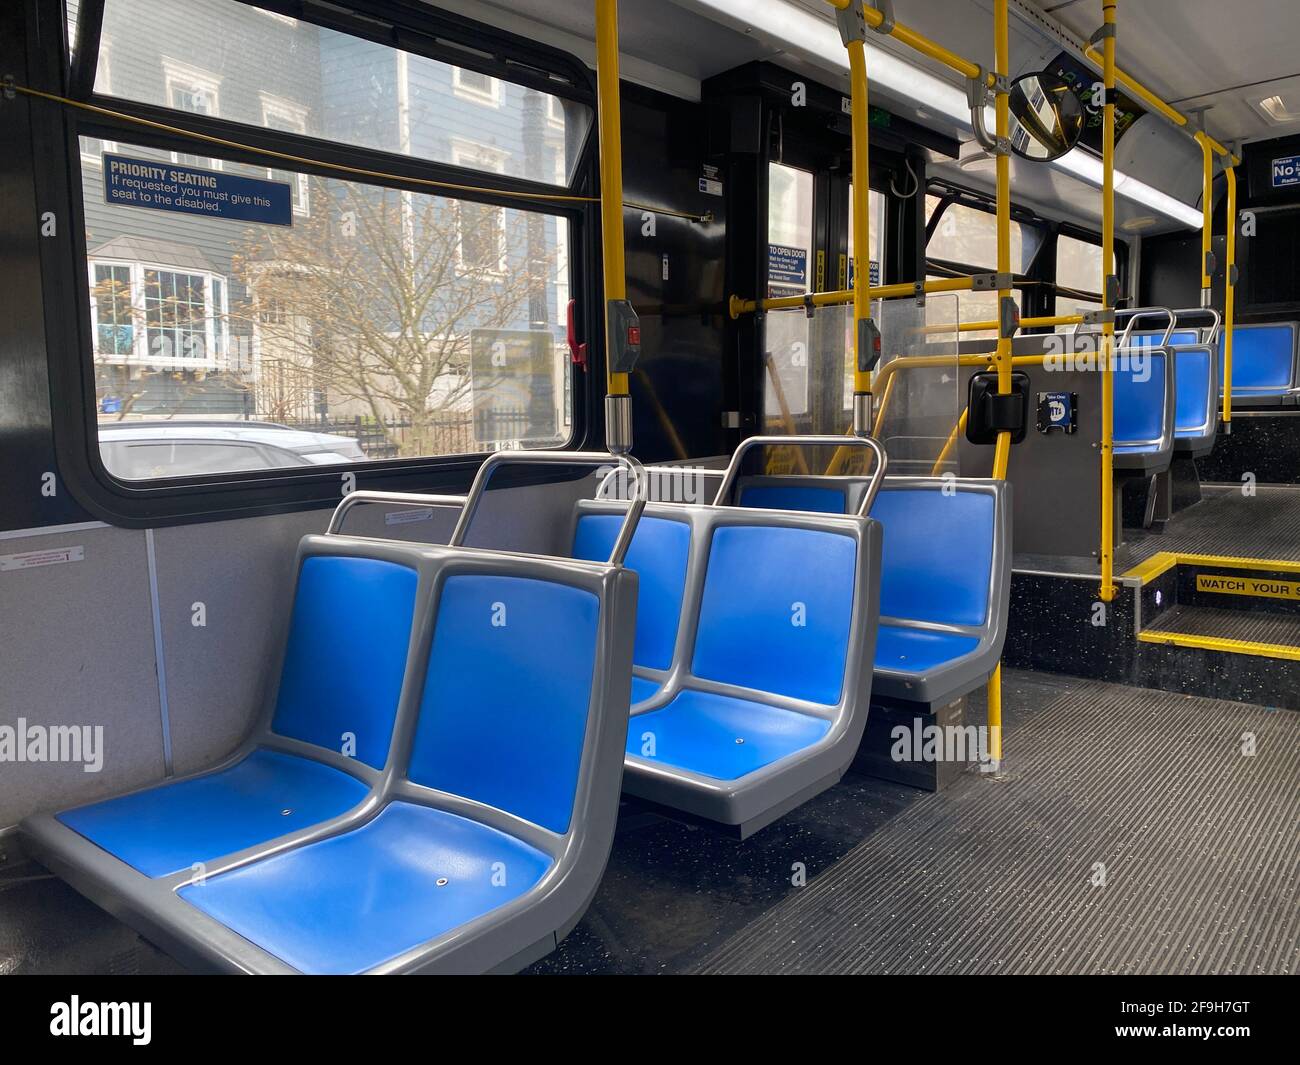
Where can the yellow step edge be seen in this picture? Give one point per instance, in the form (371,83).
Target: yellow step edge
(1220,643)
(1157,564)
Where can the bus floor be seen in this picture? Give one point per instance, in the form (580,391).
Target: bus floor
(1131,832)
(1261,521)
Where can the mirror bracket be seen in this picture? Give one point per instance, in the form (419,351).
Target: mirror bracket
(978,92)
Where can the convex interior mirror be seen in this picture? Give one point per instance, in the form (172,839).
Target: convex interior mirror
(1046,116)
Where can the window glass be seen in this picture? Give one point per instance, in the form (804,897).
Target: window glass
(876,234)
(1078,267)
(789,273)
(362,322)
(970,236)
(236,62)
(980,307)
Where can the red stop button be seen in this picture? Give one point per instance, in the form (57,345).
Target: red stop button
(634,335)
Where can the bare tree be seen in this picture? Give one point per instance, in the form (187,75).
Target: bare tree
(374,295)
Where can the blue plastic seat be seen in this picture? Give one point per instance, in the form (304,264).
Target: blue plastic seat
(765,704)
(1144,413)
(1264,364)
(169,828)
(945,587)
(354,614)
(806,497)
(660,554)
(464,818)
(721,736)
(353,902)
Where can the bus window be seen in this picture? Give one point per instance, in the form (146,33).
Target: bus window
(1078,268)
(789,265)
(388,322)
(965,241)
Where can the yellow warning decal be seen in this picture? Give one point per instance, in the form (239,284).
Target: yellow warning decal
(1252,586)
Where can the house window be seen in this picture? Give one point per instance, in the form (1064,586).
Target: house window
(472,85)
(481,227)
(175,315)
(110,290)
(291,118)
(194,91)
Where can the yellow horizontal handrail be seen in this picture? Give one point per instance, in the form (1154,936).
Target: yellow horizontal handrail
(737,306)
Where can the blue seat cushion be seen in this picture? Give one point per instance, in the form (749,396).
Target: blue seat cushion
(910,650)
(168,828)
(351,902)
(793,497)
(937,560)
(346,657)
(776,610)
(508,687)
(1194,408)
(1263,359)
(643,688)
(1139,400)
(658,554)
(700,731)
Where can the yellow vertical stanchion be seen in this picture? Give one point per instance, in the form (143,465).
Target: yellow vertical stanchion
(1002,358)
(1109,296)
(850,18)
(1229,291)
(622,329)
(1207,215)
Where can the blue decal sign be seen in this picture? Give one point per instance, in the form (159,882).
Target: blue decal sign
(163,186)
(787,265)
(1286,171)
(1058,412)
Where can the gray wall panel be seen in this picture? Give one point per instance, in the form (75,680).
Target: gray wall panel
(78,648)
(218,674)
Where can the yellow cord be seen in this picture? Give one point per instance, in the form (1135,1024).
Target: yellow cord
(355,171)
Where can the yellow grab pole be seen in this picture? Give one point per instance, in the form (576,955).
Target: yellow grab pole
(1108,306)
(1002,358)
(865,338)
(1229,292)
(622,330)
(1207,215)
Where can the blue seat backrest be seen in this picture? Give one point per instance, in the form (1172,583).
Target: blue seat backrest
(346,656)
(1193,381)
(1263,357)
(776,610)
(1140,398)
(1178,338)
(507,693)
(659,554)
(793,497)
(937,560)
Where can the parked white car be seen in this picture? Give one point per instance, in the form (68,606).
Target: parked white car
(142,450)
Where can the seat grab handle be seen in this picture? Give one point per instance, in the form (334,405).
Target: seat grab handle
(560,458)
(877,472)
(409,499)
